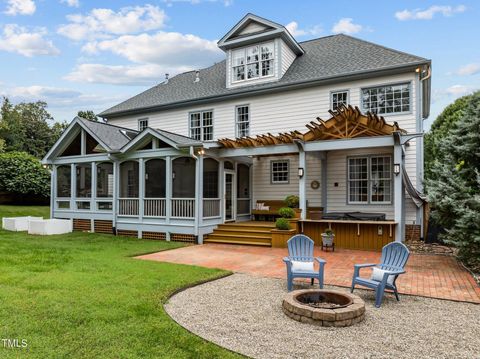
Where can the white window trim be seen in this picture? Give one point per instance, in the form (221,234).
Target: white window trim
(369,179)
(337,92)
(232,65)
(271,172)
(201,112)
(410,104)
(237,122)
(140,120)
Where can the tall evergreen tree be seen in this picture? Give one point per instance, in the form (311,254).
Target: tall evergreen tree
(454,187)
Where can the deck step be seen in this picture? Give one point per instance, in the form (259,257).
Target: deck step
(245,232)
(256,243)
(239,237)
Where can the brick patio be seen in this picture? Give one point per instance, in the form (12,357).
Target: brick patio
(427,275)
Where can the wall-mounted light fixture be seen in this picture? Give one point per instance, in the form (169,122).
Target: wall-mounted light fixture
(201,151)
(173,174)
(396,168)
(300,172)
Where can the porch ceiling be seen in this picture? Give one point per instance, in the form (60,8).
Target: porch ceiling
(346,122)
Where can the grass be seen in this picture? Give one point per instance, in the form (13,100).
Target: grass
(82,296)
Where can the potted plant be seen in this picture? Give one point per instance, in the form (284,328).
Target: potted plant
(327,238)
(289,214)
(293,201)
(282,233)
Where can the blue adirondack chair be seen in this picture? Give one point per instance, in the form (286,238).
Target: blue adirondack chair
(393,261)
(300,252)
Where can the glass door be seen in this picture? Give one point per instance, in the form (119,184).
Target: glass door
(229,199)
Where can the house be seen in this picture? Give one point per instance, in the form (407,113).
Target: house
(335,120)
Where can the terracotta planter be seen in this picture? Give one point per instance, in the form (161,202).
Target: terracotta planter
(298,212)
(281,237)
(294,224)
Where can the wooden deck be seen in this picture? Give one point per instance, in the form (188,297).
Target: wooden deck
(249,232)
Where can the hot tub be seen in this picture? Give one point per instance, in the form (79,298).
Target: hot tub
(354,216)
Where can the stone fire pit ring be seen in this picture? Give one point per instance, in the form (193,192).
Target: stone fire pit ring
(350,309)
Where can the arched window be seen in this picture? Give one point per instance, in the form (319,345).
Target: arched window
(105,179)
(84,180)
(129,179)
(210,178)
(155,178)
(183,175)
(64,181)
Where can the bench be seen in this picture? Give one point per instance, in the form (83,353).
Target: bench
(271,213)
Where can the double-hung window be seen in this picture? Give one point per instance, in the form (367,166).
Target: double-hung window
(242,121)
(339,98)
(201,125)
(253,62)
(370,179)
(280,172)
(387,99)
(142,124)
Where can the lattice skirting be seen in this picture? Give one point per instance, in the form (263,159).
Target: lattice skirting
(103,226)
(188,238)
(154,235)
(126,233)
(81,225)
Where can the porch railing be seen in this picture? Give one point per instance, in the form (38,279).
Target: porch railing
(183,207)
(154,207)
(243,206)
(128,206)
(211,207)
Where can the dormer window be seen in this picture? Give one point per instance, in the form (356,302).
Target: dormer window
(253,62)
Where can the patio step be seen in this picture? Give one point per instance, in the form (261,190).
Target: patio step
(251,233)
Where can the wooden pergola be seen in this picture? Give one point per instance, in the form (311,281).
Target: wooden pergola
(346,122)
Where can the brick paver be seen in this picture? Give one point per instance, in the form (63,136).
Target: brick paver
(427,275)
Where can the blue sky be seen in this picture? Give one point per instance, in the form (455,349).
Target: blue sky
(80,54)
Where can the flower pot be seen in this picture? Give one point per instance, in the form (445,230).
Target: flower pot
(294,224)
(327,239)
(281,237)
(298,212)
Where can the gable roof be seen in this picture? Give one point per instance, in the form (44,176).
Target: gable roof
(327,59)
(172,139)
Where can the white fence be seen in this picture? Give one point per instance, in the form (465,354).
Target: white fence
(128,206)
(183,207)
(211,207)
(154,207)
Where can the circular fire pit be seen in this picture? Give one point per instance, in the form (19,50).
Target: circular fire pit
(328,308)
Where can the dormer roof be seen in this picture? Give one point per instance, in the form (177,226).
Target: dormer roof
(253,29)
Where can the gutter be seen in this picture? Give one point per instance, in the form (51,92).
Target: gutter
(269,90)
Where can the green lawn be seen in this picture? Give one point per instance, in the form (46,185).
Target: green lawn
(83,296)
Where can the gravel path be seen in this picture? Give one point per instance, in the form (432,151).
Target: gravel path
(244,314)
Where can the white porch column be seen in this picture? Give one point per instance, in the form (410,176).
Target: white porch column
(399,196)
(199,197)
(93,191)
(323,180)
(73,187)
(141,191)
(53,190)
(302,183)
(168,190)
(116,192)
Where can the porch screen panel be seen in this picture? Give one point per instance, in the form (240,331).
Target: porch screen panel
(84,180)
(64,181)
(210,178)
(183,177)
(243,189)
(358,180)
(105,180)
(155,178)
(129,179)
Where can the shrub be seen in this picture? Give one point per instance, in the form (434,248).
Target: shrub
(292,201)
(23,174)
(286,212)
(329,232)
(282,224)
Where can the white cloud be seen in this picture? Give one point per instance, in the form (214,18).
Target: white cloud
(458,90)
(57,96)
(103,23)
(169,49)
(20,40)
(429,13)
(469,69)
(170,3)
(123,74)
(346,26)
(293,28)
(71,3)
(20,7)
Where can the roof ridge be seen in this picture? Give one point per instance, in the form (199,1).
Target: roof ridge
(107,124)
(173,133)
